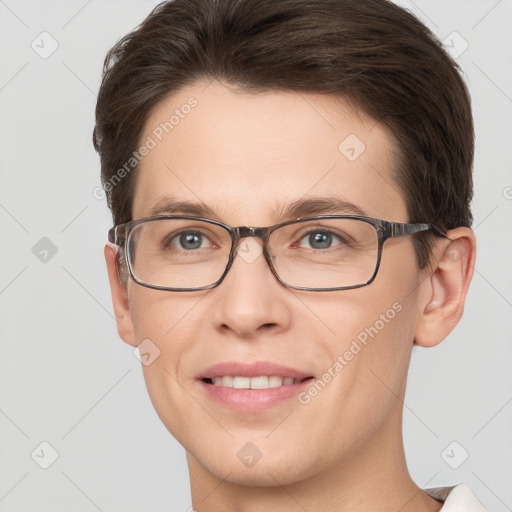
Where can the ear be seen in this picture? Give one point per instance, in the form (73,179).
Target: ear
(445,289)
(119,297)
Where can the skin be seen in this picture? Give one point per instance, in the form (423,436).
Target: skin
(247,156)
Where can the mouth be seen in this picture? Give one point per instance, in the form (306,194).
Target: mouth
(252,387)
(260,382)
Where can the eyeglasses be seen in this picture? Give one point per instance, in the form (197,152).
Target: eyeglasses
(322,253)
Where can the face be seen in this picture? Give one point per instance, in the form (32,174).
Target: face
(247,158)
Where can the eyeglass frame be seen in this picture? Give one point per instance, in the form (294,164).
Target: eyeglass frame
(120,233)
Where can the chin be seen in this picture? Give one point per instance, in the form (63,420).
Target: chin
(250,468)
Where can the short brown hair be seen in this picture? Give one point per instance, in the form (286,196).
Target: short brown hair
(371,52)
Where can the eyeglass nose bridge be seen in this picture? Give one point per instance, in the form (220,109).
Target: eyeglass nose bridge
(248,231)
(241,232)
(238,233)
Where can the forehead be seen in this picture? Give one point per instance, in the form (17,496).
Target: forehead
(247,157)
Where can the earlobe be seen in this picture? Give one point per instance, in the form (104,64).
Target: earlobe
(119,298)
(445,289)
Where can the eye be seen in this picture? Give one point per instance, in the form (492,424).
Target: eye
(320,239)
(189,241)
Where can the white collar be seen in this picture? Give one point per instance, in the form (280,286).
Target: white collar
(458,498)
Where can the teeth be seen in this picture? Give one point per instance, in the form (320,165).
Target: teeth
(275,382)
(241,382)
(227,381)
(259,383)
(263,382)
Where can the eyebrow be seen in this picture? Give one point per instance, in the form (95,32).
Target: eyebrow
(169,206)
(319,206)
(301,208)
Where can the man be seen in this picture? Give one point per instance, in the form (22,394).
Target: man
(290,186)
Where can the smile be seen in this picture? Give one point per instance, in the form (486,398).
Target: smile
(261,382)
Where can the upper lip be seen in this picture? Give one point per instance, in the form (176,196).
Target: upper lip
(253,369)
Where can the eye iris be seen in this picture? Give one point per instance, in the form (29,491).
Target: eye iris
(320,240)
(190,240)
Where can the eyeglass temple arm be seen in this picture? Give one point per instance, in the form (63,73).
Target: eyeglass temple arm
(116,235)
(112,235)
(403,229)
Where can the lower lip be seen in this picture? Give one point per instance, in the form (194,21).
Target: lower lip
(252,400)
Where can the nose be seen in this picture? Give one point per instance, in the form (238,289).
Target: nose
(251,301)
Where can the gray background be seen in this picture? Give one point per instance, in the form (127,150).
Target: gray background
(68,380)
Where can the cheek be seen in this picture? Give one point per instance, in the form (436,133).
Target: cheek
(165,327)
(374,338)
(365,360)
(166,318)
